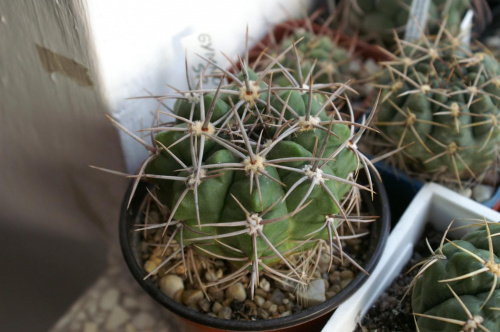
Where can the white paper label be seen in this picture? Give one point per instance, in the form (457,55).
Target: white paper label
(465,27)
(417,19)
(203,43)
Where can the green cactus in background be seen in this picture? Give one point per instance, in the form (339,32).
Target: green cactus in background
(332,62)
(443,100)
(324,59)
(253,173)
(378,19)
(458,288)
(329,62)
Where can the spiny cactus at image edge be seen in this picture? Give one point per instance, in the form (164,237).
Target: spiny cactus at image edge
(442,99)
(458,287)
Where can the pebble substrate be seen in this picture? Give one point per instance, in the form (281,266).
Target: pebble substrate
(393,312)
(232,300)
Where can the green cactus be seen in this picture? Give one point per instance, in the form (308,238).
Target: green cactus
(253,173)
(443,100)
(378,19)
(323,59)
(332,63)
(458,289)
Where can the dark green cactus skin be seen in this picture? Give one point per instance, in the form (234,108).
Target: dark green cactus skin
(432,297)
(454,145)
(381,17)
(332,60)
(452,309)
(216,205)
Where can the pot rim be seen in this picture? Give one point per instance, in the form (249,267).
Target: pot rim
(132,259)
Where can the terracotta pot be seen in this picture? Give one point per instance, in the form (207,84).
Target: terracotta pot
(306,319)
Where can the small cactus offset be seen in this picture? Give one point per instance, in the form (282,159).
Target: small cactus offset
(254,173)
(442,100)
(458,287)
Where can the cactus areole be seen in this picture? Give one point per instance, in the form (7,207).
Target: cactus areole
(253,174)
(459,287)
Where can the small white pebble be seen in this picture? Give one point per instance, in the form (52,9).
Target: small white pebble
(143,320)
(116,319)
(236,292)
(259,301)
(90,327)
(265,285)
(109,299)
(467,192)
(171,284)
(482,193)
(225,313)
(216,307)
(192,296)
(150,266)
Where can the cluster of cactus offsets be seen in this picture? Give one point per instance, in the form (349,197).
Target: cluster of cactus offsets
(443,101)
(254,173)
(458,287)
(377,19)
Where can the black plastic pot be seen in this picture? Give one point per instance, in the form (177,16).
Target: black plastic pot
(130,240)
(402,188)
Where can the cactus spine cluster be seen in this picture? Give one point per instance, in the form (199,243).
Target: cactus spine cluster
(442,99)
(254,173)
(458,288)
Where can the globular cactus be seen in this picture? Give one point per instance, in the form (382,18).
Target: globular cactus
(377,19)
(324,57)
(331,62)
(254,173)
(442,100)
(458,288)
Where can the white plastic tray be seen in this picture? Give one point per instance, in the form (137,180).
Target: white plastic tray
(433,203)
